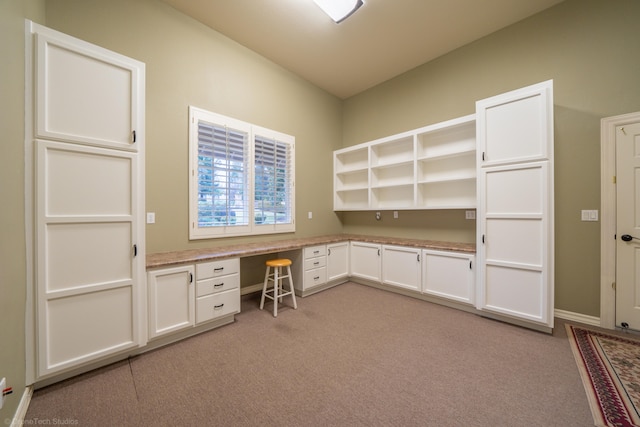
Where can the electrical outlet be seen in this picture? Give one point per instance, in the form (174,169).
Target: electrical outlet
(310,215)
(470,214)
(3,385)
(395,214)
(151,217)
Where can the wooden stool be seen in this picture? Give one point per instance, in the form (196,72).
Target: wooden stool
(277,292)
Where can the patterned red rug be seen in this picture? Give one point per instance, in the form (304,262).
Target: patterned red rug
(610,370)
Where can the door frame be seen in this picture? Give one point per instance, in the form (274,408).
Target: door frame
(608,218)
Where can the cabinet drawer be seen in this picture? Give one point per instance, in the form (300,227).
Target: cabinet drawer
(217,305)
(314,251)
(217,284)
(223,267)
(317,262)
(315,277)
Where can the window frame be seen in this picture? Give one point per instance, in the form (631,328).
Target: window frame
(197,115)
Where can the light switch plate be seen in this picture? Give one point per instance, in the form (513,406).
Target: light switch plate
(589,215)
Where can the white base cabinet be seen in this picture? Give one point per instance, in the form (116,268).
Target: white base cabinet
(449,275)
(401,267)
(171,300)
(315,266)
(366,261)
(217,289)
(337,261)
(184,297)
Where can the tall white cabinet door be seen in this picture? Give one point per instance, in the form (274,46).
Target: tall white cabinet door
(515,206)
(86,94)
(87,254)
(89,270)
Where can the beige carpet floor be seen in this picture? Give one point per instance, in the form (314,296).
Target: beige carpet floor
(349,356)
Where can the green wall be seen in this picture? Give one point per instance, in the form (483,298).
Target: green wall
(590,48)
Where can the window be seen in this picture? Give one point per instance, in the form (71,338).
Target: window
(241,178)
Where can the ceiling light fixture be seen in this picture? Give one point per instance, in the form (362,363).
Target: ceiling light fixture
(339,10)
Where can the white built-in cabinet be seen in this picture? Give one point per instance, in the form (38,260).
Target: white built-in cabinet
(515,204)
(432,167)
(507,175)
(401,267)
(449,275)
(183,297)
(366,261)
(314,268)
(217,289)
(85,129)
(171,300)
(337,261)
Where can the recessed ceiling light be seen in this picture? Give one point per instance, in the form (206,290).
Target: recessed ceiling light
(339,10)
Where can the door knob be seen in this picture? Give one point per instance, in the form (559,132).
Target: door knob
(628,238)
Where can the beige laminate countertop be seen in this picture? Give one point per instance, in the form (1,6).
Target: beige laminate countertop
(166,259)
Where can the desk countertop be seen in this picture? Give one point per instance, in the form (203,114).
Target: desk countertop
(167,259)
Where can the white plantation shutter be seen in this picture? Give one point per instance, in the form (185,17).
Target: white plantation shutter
(273,179)
(223,155)
(241,180)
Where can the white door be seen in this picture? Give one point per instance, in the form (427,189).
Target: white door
(87,139)
(515,204)
(628,226)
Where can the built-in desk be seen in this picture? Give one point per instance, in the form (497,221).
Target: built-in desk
(190,256)
(194,290)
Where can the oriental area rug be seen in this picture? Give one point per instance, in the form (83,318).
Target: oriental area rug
(610,369)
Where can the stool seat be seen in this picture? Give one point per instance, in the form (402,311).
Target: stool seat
(275,275)
(280,262)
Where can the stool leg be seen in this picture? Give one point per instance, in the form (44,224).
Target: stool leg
(293,292)
(276,281)
(264,288)
(281,286)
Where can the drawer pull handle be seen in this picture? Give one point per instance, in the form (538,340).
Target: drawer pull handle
(217,285)
(316,252)
(218,269)
(316,263)
(215,307)
(316,278)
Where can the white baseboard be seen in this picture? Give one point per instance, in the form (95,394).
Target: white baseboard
(577,317)
(21,412)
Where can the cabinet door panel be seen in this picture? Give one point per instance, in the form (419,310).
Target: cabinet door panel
(448,275)
(515,190)
(85,94)
(516,126)
(171,300)
(401,267)
(501,234)
(516,292)
(337,261)
(365,261)
(82,327)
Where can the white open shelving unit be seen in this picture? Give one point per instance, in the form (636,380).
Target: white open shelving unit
(433,167)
